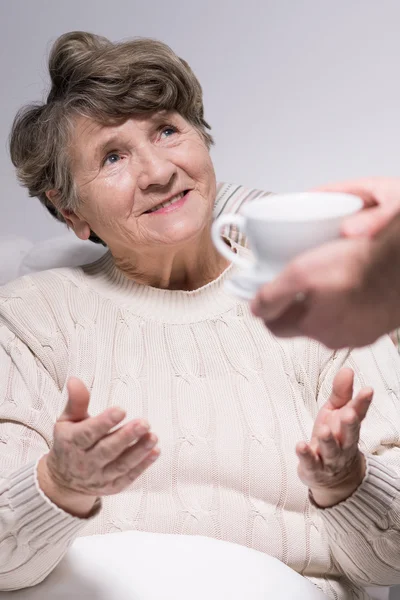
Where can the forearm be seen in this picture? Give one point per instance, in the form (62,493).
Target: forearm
(364,530)
(383,277)
(35,533)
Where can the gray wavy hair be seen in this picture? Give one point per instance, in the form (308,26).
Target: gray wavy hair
(108,82)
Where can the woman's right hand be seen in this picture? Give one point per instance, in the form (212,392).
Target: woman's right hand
(86,460)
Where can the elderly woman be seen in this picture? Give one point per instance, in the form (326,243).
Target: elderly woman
(120,152)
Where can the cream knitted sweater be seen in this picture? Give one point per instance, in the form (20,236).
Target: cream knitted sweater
(228,402)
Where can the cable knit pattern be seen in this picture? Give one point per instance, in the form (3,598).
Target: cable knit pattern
(228,402)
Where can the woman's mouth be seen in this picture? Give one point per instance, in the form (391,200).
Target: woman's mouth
(173,204)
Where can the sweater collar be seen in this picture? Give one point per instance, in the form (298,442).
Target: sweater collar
(172,306)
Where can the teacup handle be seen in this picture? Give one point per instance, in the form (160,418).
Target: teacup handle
(226,220)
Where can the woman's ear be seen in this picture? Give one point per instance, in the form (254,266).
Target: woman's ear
(81,227)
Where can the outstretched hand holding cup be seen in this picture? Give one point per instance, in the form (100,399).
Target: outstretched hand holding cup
(278,228)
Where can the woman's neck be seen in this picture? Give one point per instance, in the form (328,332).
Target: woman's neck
(185,268)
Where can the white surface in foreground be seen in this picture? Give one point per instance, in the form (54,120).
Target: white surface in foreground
(149,566)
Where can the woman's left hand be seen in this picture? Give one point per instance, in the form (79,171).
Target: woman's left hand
(331,464)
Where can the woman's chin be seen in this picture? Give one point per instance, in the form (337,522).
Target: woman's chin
(181,231)
(181,238)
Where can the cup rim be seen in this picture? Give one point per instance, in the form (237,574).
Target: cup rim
(355,203)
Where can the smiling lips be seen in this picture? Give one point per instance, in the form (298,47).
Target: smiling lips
(174,202)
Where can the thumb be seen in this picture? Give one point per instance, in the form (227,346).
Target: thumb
(368,222)
(77,405)
(342,388)
(368,189)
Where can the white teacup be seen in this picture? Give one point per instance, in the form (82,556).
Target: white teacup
(281,226)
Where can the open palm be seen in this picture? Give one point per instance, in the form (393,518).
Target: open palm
(331,464)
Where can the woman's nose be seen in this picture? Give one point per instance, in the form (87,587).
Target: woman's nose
(156,169)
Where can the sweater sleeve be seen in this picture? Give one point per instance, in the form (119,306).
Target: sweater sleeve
(34,533)
(364,530)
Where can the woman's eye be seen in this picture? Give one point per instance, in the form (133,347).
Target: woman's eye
(168,131)
(112,158)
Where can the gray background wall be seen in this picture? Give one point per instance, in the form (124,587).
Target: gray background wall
(298,91)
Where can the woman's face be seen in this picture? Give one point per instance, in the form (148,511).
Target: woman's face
(147,182)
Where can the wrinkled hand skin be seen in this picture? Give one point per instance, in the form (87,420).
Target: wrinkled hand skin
(331,464)
(90,457)
(351,287)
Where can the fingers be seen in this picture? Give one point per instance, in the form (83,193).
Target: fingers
(309,460)
(77,405)
(90,431)
(362,188)
(361,403)
(112,445)
(129,460)
(289,323)
(276,298)
(350,428)
(124,480)
(380,195)
(328,446)
(323,456)
(342,389)
(273,299)
(331,461)
(368,222)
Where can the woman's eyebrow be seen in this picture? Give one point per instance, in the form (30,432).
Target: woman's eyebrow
(102,146)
